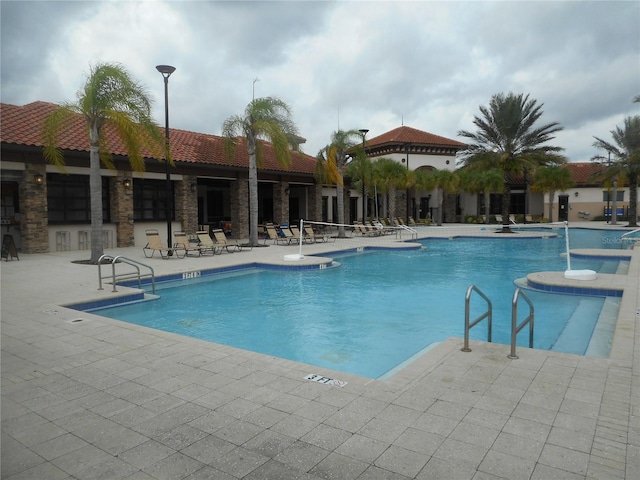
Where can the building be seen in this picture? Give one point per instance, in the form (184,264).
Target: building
(45,209)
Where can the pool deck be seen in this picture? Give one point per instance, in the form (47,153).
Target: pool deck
(86,397)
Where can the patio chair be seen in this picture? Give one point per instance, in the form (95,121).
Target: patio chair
(182,242)
(154,244)
(275,237)
(207,244)
(230,245)
(311,235)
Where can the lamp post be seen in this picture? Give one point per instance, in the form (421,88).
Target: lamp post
(364,132)
(407,145)
(166,71)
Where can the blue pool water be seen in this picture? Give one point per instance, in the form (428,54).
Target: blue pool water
(378,308)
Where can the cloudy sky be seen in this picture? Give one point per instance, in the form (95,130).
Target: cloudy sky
(346,64)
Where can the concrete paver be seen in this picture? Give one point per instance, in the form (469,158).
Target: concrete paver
(89,397)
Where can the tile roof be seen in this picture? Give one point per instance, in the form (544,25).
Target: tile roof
(583,172)
(406,134)
(21,125)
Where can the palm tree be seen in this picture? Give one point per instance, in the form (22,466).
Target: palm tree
(332,163)
(508,139)
(388,176)
(360,171)
(266,118)
(625,151)
(551,179)
(486,181)
(445,181)
(111,99)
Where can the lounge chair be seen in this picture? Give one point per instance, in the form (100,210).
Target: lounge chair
(275,237)
(288,234)
(295,233)
(154,244)
(230,245)
(364,231)
(207,244)
(181,241)
(311,235)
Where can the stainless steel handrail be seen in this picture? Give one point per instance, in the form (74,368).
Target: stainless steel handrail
(412,231)
(468,325)
(134,263)
(514,320)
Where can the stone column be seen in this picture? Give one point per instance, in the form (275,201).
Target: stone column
(314,193)
(187,203)
(280,202)
(239,192)
(34,221)
(121,198)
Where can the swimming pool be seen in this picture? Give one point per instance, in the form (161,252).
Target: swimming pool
(378,308)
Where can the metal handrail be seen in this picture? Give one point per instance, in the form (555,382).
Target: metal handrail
(134,263)
(630,233)
(412,231)
(626,238)
(514,320)
(468,325)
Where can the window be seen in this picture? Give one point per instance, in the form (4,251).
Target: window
(149,199)
(69,199)
(608,196)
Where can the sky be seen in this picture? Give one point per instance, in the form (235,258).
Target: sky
(343,65)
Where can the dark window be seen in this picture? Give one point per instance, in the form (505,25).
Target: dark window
(608,196)
(149,199)
(69,199)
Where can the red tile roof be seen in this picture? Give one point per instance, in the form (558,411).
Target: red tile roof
(22,125)
(584,172)
(414,136)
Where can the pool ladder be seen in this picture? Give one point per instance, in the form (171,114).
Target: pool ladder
(515,328)
(128,275)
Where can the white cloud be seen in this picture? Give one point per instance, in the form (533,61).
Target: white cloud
(357,64)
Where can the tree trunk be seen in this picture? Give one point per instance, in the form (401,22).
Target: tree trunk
(487,204)
(614,202)
(253,191)
(340,202)
(506,204)
(95,192)
(552,196)
(633,200)
(392,202)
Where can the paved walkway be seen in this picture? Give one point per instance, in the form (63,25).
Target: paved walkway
(87,397)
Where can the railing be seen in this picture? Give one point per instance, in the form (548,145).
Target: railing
(625,237)
(123,276)
(412,231)
(514,320)
(468,325)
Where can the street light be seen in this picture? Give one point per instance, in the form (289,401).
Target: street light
(364,132)
(407,147)
(166,71)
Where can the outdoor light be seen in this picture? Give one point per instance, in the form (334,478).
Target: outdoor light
(193,187)
(286,191)
(577,193)
(38,179)
(166,71)
(126,183)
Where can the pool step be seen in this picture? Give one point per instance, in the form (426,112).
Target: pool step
(600,344)
(572,337)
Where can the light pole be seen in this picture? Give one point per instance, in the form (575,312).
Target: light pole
(407,146)
(166,71)
(364,132)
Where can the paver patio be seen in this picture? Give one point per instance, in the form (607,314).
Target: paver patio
(88,397)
